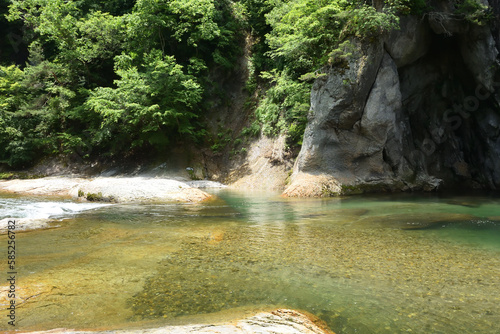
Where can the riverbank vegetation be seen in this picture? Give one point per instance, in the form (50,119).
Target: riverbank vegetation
(114,78)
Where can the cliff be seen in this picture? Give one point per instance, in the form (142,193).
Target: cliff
(415,110)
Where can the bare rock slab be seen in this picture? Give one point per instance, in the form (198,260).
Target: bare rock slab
(138,189)
(119,189)
(281,321)
(46,186)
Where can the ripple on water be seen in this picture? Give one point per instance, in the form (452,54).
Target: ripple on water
(39,208)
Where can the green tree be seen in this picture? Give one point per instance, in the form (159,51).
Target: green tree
(32,107)
(87,43)
(305,32)
(284,107)
(113,7)
(151,103)
(202,29)
(256,11)
(13,49)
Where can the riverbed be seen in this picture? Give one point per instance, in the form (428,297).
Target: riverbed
(364,264)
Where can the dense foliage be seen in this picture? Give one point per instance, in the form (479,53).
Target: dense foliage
(115,77)
(111,77)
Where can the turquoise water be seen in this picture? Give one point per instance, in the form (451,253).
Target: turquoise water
(367,264)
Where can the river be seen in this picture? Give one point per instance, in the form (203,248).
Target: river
(364,264)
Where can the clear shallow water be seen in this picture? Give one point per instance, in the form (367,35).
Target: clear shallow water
(372,264)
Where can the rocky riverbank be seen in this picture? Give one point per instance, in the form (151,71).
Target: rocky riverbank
(113,189)
(102,189)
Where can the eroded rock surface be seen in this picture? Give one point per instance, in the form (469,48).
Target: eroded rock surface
(47,186)
(266,166)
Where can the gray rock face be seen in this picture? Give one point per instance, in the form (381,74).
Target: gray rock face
(421,114)
(495,5)
(409,43)
(337,105)
(480,55)
(442,23)
(338,101)
(333,140)
(380,124)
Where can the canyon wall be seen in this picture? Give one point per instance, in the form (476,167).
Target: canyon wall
(416,110)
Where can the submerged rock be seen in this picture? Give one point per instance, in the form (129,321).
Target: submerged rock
(204,184)
(26,224)
(281,321)
(421,221)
